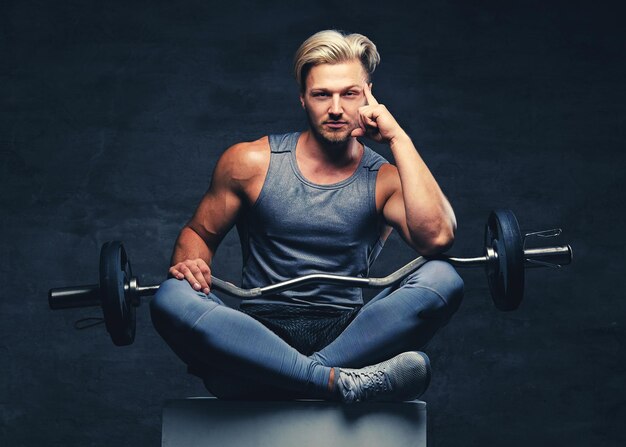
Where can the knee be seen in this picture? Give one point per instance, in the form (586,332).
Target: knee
(170,305)
(450,284)
(441,278)
(176,307)
(163,302)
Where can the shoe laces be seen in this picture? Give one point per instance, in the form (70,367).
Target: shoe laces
(360,385)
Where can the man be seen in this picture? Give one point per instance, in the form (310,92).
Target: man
(310,202)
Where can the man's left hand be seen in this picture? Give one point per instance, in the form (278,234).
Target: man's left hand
(375,121)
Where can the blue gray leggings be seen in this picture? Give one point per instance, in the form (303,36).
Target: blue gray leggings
(239,358)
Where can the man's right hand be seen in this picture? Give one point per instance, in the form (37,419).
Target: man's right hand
(195,271)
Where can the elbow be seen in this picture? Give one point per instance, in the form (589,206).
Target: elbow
(436,244)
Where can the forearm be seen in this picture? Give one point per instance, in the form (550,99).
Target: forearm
(429,217)
(189,245)
(417,207)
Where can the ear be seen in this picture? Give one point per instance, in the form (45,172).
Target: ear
(302,100)
(370,85)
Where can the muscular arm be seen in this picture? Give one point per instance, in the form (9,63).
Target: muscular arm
(234,182)
(416,206)
(409,196)
(214,216)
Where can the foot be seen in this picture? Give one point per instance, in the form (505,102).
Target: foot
(404,377)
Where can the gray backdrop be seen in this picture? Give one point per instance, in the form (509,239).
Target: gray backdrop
(113,115)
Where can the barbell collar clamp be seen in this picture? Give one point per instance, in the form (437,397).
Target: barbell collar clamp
(554,257)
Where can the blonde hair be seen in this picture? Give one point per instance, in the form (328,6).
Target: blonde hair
(333,47)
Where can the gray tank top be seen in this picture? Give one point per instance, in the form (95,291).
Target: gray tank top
(296,228)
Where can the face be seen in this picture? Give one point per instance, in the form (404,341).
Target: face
(332,97)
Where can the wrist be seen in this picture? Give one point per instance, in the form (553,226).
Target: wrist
(399,140)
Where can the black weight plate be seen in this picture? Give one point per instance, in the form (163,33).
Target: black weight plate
(119,313)
(506,273)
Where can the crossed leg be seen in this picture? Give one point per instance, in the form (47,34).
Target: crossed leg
(239,358)
(398,319)
(215,339)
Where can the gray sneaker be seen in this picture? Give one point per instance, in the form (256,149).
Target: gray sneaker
(404,377)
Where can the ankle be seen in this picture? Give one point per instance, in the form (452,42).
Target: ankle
(331,381)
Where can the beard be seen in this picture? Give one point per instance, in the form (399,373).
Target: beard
(333,138)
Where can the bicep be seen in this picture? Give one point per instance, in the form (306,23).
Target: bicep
(389,191)
(218,209)
(394,214)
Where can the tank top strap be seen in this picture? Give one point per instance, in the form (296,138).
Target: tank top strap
(282,143)
(372,161)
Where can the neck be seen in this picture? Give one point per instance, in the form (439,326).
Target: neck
(338,154)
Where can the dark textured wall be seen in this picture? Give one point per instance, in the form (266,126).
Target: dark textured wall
(114,113)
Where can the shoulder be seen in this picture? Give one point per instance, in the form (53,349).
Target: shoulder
(246,160)
(388,176)
(247,154)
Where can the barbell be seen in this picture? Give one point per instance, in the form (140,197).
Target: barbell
(505,260)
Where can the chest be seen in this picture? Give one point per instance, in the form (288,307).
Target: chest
(297,211)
